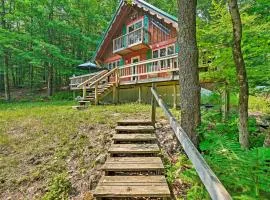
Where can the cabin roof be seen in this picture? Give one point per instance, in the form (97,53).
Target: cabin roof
(168,18)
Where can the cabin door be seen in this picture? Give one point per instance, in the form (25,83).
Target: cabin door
(134,68)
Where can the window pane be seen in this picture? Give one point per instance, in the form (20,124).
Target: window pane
(131,28)
(138,25)
(155,54)
(162,52)
(110,66)
(170,50)
(118,63)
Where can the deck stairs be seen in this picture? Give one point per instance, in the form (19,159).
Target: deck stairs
(95,88)
(103,90)
(134,169)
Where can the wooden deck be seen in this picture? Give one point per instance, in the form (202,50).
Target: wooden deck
(140,177)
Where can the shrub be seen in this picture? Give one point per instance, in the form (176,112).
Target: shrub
(59,188)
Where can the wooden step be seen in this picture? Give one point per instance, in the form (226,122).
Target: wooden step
(132,122)
(79,107)
(132,186)
(134,149)
(134,137)
(83,102)
(133,164)
(135,129)
(89,98)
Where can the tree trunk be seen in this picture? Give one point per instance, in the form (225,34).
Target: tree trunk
(50,39)
(50,80)
(241,74)
(6,77)
(267,138)
(188,66)
(6,56)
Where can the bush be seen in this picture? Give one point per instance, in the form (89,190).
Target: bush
(245,173)
(59,188)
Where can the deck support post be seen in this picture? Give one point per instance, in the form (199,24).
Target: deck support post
(74,94)
(115,94)
(154,106)
(174,96)
(140,94)
(96,94)
(225,103)
(84,92)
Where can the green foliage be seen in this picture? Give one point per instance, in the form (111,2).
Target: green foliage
(39,35)
(59,188)
(245,173)
(213,98)
(184,171)
(215,38)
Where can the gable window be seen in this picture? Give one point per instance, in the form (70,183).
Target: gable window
(135,26)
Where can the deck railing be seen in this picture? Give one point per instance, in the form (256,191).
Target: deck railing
(133,38)
(212,184)
(152,70)
(149,69)
(77,80)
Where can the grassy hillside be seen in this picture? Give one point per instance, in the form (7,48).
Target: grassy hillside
(48,148)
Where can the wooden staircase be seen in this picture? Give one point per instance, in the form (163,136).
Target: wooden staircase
(97,87)
(134,169)
(102,91)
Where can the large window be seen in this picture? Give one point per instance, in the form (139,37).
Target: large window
(171,50)
(162,52)
(114,64)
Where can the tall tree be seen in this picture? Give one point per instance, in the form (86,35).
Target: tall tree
(189,72)
(5,54)
(241,74)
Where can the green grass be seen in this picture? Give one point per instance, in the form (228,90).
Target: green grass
(41,140)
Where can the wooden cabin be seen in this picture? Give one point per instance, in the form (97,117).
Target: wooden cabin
(139,47)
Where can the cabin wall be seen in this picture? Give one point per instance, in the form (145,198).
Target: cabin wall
(161,35)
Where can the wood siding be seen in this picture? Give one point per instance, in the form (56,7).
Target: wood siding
(158,38)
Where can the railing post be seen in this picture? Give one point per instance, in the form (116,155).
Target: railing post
(225,102)
(117,77)
(174,96)
(154,105)
(140,94)
(84,92)
(96,94)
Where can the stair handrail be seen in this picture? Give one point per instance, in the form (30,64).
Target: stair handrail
(91,79)
(211,182)
(102,77)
